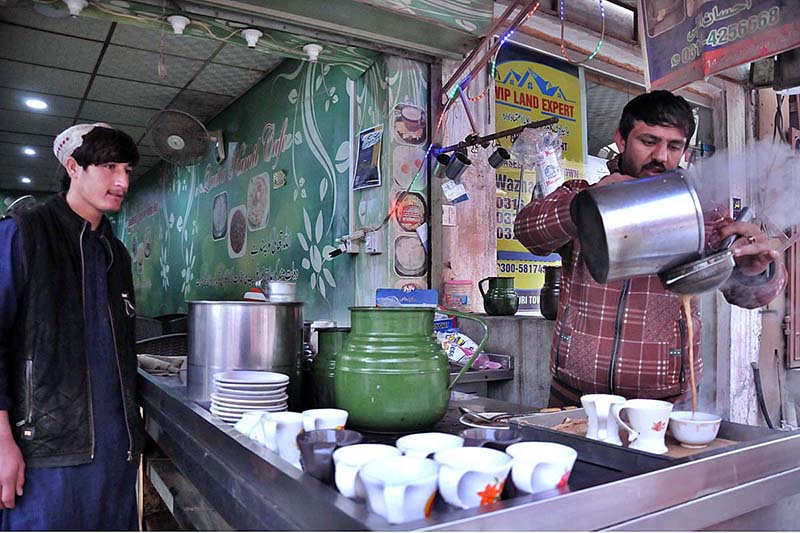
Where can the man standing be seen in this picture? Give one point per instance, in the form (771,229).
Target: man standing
(70,430)
(630,337)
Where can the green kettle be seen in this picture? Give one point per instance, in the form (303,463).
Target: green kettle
(391,374)
(501,299)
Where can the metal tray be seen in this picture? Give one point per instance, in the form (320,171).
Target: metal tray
(626,460)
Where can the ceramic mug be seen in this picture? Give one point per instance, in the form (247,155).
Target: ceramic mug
(280,432)
(472,476)
(348,461)
(250,422)
(602,426)
(648,423)
(400,489)
(317,447)
(324,419)
(541,466)
(424,444)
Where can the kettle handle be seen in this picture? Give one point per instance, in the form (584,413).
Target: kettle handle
(480,345)
(480,287)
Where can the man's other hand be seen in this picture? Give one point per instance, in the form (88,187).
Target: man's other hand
(12,466)
(616,177)
(752,252)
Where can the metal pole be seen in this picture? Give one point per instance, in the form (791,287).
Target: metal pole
(472,141)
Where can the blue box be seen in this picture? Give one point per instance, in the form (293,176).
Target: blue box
(401,298)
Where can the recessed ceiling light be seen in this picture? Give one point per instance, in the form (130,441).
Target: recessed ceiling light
(35,103)
(28,151)
(25,179)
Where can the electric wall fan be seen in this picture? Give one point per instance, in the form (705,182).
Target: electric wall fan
(182,139)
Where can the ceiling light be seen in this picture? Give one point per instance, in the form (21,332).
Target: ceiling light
(25,179)
(35,103)
(178,23)
(251,36)
(28,151)
(313,50)
(76,6)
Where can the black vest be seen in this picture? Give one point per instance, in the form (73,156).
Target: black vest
(48,366)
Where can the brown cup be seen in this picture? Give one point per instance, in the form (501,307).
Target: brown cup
(496,438)
(317,447)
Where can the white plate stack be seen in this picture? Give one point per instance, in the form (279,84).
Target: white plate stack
(240,391)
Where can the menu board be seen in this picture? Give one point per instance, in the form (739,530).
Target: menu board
(272,209)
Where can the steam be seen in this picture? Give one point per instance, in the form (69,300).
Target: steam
(768,173)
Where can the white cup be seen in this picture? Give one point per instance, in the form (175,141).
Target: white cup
(694,430)
(282,291)
(348,460)
(648,423)
(249,422)
(541,466)
(472,476)
(400,489)
(324,419)
(279,432)
(602,426)
(424,444)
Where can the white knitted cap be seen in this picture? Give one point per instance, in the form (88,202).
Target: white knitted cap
(71,139)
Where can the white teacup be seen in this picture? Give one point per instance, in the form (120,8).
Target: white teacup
(424,444)
(348,460)
(602,426)
(400,489)
(694,431)
(250,422)
(324,419)
(541,466)
(472,476)
(648,423)
(279,433)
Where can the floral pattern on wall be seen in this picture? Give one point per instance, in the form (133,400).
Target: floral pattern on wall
(271,210)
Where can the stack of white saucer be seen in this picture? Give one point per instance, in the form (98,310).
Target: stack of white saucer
(240,391)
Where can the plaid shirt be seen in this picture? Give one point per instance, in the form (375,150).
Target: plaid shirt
(624,337)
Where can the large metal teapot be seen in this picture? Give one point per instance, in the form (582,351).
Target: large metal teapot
(639,227)
(391,375)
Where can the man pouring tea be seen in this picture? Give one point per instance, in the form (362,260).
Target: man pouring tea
(631,337)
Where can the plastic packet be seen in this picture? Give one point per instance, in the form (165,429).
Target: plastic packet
(541,149)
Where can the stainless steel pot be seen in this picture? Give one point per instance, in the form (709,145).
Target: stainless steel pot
(243,335)
(639,227)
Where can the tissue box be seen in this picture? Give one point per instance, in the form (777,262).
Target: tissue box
(401,298)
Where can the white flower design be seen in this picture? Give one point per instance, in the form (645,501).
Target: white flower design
(321,277)
(186,272)
(164,268)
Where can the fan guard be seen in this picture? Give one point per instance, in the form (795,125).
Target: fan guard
(178,137)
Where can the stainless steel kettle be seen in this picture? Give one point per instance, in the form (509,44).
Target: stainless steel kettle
(639,227)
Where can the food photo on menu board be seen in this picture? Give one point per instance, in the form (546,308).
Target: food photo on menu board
(258,202)
(368,161)
(237,232)
(410,122)
(219,216)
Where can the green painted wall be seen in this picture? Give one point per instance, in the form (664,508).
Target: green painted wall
(391,86)
(294,121)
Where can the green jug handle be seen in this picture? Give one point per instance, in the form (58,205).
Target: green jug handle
(480,346)
(480,288)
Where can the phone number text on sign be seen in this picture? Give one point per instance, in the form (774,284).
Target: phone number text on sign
(728,34)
